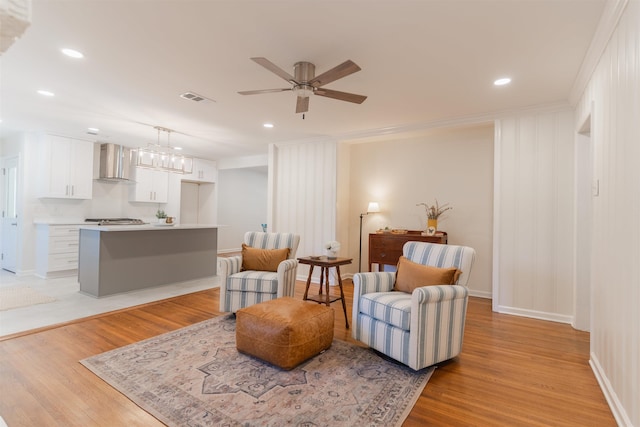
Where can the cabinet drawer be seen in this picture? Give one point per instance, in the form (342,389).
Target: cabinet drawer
(386,248)
(63,244)
(386,256)
(64,230)
(59,262)
(387,244)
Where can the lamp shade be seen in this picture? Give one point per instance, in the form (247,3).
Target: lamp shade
(373,207)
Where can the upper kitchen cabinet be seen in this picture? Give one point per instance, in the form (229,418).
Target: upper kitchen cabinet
(203,171)
(66,168)
(151,186)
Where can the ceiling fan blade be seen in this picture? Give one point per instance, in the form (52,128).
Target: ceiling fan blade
(342,96)
(256,92)
(342,70)
(302,105)
(274,69)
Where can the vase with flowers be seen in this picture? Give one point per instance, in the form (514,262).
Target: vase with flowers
(433,213)
(332,249)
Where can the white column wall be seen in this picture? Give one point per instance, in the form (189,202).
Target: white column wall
(533,216)
(302,194)
(614,94)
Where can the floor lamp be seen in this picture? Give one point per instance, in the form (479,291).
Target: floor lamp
(372,208)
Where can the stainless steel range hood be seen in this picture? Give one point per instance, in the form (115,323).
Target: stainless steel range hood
(115,162)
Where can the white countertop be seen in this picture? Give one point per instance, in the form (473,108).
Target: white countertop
(147,227)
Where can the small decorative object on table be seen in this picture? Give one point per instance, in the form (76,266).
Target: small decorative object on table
(332,248)
(433,213)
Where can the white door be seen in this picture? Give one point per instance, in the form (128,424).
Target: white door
(9,214)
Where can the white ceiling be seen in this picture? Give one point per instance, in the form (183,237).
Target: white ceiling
(422,62)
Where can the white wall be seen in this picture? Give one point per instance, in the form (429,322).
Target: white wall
(614,94)
(243,207)
(452,165)
(534,216)
(302,194)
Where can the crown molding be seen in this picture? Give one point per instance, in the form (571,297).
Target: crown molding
(471,120)
(454,122)
(611,15)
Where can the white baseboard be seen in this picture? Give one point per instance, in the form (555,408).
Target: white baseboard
(609,393)
(480,294)
(534,314)
(23,273)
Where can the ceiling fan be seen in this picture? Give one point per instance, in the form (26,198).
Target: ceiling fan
(305,83)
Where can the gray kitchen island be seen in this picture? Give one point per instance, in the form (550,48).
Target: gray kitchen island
(116,259)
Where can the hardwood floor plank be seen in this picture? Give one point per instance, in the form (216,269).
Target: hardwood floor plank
(512,371)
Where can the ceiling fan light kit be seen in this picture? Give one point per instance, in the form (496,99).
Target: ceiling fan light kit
(305,83)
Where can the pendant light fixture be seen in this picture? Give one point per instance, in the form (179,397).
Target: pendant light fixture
(164,157)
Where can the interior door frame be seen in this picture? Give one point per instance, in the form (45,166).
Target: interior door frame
(586,187)
(15,221)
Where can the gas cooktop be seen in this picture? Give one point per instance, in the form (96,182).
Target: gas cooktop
(116,221)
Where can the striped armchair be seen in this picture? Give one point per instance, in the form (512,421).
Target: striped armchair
(240,289)
(418,329)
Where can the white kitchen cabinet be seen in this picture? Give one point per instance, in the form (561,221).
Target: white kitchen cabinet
(203,171)
(151,186)
(66,168)
(56,250)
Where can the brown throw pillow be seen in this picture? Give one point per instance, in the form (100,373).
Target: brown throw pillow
(411,275)
(262,259)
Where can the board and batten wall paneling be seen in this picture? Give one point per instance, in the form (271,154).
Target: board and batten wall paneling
(302,188)
(533,216)
(612,100)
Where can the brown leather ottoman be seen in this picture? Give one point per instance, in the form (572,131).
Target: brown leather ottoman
(285,331)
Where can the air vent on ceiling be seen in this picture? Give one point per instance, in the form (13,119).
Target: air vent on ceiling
(196,97)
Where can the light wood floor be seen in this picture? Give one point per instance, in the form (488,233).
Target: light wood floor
(513,371)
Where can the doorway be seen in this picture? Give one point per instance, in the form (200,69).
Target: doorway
(197,204)
(9,256)
(586,189)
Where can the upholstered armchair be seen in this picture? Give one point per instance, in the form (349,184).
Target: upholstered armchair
(244,287)
(420,328)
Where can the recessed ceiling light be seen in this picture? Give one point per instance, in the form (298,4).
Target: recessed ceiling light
(177,148)
(268,125)
(71,53)
(46,93)
(502,81)
(93,131)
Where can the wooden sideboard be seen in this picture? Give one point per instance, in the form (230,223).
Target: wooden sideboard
(386,248)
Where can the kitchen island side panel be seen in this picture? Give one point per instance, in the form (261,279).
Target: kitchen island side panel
(133,260)
(89,257)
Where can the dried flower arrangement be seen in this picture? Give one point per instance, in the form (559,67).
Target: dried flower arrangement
(434,211)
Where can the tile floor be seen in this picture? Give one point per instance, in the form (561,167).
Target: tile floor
(71,304)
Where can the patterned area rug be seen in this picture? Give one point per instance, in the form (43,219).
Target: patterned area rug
(20,296)
(195,377)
